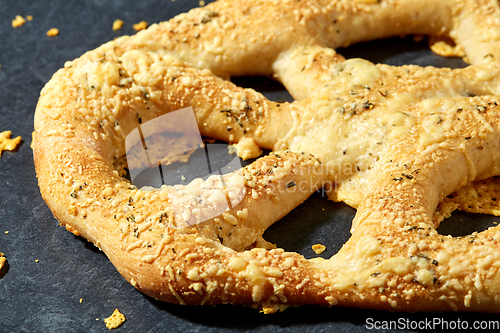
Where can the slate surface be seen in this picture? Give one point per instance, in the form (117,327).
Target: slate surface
(44,296)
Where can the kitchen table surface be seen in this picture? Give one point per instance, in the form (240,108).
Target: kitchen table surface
(56,282)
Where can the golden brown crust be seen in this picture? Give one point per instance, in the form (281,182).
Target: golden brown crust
(392,141)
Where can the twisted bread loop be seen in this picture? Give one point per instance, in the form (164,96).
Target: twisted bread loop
(392,141)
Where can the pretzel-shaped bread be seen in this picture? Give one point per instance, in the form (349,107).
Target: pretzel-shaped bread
(391,141)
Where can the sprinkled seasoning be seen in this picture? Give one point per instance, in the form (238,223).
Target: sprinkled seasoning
(480,108)
(367,105)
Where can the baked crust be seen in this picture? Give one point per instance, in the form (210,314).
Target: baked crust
(391,141)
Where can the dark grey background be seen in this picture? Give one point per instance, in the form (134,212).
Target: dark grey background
(44,296)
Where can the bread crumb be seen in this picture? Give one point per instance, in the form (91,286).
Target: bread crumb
(118,24)
(53,32)
(246,148)
(18,21)
(36,260)
(7,231)
(115,320)
(6,143)
(81,300)
(29,18)
(2,260)
(318,248)
(202,3)
(140,26)
(445,47)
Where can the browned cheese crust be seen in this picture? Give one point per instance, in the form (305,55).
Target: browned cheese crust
(390,141)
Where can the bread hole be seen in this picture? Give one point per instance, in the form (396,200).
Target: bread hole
(410,50)
(215,157)
(316,221)
(477,206)
(461,224)
(271,89)
(391,51)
